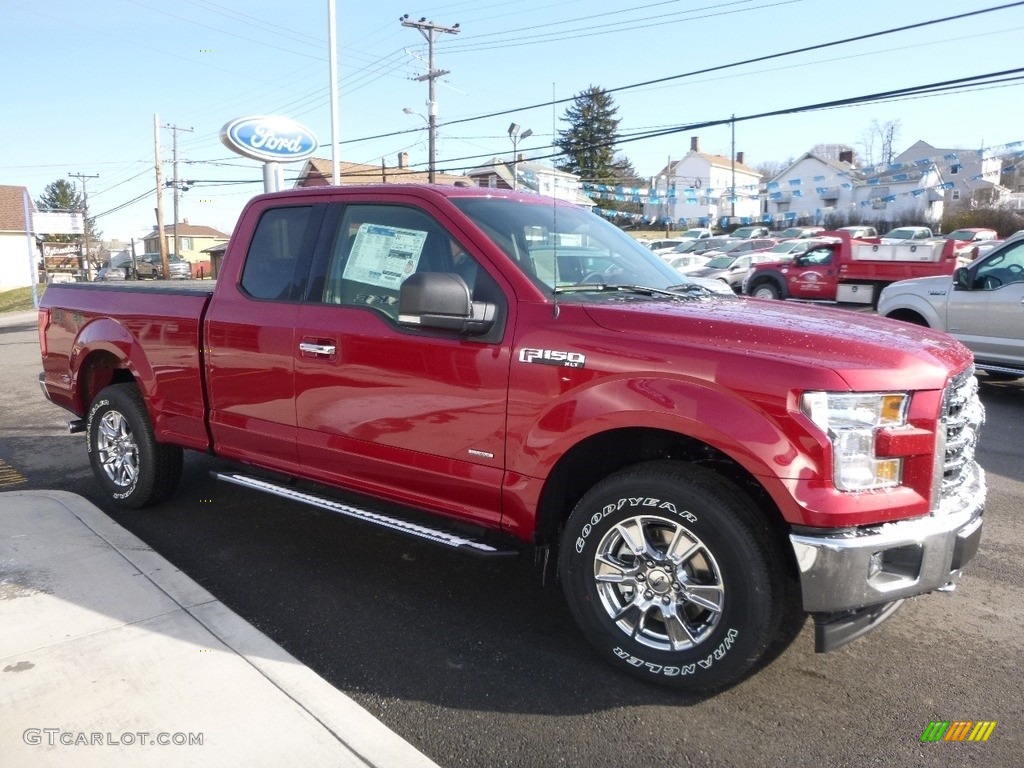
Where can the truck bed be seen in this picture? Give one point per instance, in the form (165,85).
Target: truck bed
(156,325)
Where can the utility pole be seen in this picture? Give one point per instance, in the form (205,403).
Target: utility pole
(175,183)
(160,198)
(83,177)
(430,31)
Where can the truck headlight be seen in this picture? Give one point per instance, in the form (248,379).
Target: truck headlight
(851,421)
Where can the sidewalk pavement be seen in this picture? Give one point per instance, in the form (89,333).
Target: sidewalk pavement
(110,656)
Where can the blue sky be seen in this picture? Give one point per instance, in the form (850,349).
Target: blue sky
(84,80)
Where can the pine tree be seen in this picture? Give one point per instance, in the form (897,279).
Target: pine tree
(589,142)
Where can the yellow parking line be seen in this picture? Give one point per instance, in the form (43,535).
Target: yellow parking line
(9,475)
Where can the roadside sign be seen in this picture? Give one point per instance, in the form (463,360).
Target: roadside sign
(57,223)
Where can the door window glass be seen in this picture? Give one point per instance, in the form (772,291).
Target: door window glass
(1001,269)
(270,264)
(378,247)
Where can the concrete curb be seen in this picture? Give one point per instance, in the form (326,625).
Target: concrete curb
(181,610)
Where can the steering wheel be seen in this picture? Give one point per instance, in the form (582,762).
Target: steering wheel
(1016,270)
(990,282)
(593,278)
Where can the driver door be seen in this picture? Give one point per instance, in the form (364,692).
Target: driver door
(813,275)
(989,317)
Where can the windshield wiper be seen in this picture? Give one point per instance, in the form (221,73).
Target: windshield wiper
(674,291)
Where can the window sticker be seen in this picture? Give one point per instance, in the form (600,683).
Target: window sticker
(384,256)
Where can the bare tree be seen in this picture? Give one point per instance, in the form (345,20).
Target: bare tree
(878,141)
(769,169)
(830,151)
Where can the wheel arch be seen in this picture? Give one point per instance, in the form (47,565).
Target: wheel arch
(772,277)
(908,315)
(605,453)
(105,353)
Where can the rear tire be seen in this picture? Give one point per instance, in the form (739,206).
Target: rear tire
(673,576)
(133,469)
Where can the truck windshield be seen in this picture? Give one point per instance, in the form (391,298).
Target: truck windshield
(558,246)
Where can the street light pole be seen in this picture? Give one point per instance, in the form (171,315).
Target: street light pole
(515,135)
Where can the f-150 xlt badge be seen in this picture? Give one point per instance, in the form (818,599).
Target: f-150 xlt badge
(552,357)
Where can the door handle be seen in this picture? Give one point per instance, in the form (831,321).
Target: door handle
(317,349)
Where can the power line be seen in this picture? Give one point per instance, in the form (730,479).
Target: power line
(1009,75)
(756,60)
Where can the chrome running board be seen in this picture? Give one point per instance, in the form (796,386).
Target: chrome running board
(456,541)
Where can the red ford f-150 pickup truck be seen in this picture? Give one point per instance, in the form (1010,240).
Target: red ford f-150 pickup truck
(498,372)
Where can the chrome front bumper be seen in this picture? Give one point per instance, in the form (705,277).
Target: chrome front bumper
(884,563)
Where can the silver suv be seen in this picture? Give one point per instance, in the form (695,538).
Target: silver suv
(982,305)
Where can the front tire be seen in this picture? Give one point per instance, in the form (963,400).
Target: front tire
(671,574)
(133,469)
(765,291)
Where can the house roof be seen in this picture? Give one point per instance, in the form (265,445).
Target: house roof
(503,168)
(12,208)
(719,161)
(184,229)
(318,171)
(528,172)
(836,165)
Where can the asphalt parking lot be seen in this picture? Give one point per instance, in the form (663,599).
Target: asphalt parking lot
(478,664)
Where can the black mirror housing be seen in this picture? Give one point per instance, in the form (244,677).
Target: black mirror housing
(961,279)
(442,300)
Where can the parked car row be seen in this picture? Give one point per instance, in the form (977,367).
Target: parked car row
(148,266)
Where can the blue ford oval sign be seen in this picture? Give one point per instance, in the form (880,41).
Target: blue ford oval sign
(272,139)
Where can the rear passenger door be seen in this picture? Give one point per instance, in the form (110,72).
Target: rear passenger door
(250,340)
(415,415)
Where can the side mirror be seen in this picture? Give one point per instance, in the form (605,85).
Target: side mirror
(961,279)
(442,300)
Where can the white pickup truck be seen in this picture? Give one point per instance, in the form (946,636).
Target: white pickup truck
(982,305)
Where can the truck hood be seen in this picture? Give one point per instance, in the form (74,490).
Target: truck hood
(863,349)
(938,285)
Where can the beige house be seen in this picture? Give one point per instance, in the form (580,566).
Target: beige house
(188,241)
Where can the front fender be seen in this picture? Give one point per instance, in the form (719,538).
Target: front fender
(700,410)
(894,303)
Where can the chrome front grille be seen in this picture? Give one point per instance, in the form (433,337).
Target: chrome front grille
(961,482)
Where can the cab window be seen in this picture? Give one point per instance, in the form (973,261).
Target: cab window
(377,247)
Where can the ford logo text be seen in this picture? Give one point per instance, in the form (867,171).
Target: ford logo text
(271,139)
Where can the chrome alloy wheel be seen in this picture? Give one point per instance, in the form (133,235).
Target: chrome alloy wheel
(659,583)
(117,449)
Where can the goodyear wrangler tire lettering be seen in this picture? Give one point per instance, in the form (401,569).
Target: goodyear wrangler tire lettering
(131,466)
(644,501)
(672,574)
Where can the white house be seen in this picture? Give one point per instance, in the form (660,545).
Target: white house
(812,186)
(701,188)
(899,193)
(974,173)
(16,263)
(531,176)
